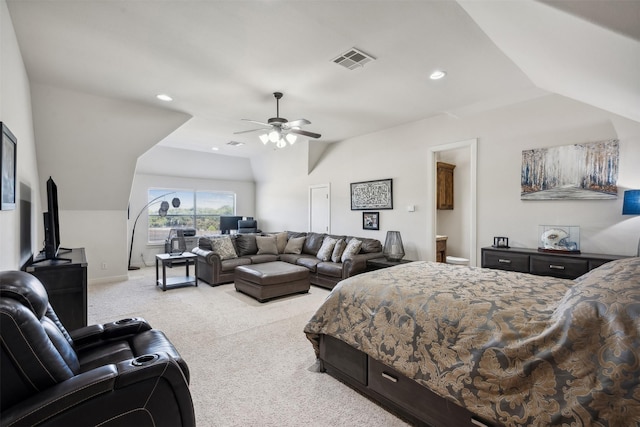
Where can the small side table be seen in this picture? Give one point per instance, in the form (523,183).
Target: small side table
(378,263)
(168,259)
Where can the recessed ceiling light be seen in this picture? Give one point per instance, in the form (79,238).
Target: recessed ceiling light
(436,75)
(164,97)
(215,148)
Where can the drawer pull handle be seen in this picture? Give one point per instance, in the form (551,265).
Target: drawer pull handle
(504,261)
(389,377)
(478,423)
(556,267)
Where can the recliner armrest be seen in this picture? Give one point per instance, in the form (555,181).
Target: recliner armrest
(95,334)
(112,392)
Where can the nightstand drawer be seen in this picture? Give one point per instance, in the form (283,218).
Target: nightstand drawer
(505,261)
(564,268)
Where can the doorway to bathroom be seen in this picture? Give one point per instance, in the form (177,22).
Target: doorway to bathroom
(455,220)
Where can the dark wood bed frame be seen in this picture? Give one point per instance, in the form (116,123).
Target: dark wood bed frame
(401,395)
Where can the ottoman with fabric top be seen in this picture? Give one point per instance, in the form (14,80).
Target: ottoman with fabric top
(271,280)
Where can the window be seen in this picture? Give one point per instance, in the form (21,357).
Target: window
(186,209)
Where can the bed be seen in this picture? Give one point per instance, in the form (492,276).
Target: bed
(447,345)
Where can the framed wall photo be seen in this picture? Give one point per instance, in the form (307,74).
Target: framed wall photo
(372,195)
(371,220)
(7,169)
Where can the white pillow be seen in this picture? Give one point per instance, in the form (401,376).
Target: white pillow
(352,249)
(325,251)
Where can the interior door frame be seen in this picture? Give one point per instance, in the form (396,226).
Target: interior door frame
(328,187)
(472,145)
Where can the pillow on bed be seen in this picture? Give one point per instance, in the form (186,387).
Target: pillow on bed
(223,247)
(267,245)
(326,250)
(336,255)
(352,249)
(610,292)
(294,245)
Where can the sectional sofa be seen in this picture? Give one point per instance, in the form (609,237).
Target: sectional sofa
(219,255)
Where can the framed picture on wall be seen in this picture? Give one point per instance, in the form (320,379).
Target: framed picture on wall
(7,169)
(371,220)
(372,195)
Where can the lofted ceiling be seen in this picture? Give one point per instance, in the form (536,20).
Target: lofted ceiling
(222,60)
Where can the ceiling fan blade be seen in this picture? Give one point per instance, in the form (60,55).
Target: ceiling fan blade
(256,122)
(251,130)
(305,133)
(297,123)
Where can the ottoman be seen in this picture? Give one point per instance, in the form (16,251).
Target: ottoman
(271,279)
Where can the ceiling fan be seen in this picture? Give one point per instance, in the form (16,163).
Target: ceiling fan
(279,130)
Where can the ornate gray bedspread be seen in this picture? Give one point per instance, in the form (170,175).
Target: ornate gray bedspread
(514,348)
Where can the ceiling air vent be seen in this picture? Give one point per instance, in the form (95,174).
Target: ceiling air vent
(353,58)
(235,143)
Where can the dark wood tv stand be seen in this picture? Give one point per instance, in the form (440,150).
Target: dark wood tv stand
(66,284)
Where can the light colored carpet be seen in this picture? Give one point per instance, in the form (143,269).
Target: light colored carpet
(249,362)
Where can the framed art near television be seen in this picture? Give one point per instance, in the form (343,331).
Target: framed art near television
(7,169)
(372,195)
(371,220)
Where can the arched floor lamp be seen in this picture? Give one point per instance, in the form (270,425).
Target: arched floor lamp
(164,208)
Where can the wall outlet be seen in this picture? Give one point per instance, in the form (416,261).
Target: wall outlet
(104,266)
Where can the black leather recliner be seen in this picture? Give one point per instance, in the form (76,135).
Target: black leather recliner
(117,374)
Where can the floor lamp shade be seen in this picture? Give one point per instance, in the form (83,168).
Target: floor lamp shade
(393,249)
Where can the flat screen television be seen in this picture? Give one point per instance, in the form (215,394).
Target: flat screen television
(228,223)
(52,225)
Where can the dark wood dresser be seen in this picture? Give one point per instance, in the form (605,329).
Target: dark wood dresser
(524,260)
(66,284)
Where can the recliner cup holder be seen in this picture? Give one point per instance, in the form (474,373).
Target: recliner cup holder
(145,359)
(126,320)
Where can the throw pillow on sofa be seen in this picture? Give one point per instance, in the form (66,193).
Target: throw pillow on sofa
(294,245)
(352,249)
(326,250)
(267,245)
(246,244)
(223,246)
(281,241)
(336,255)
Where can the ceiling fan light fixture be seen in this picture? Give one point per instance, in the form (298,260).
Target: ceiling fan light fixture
(281,143)
(291,138)
(274,135)
(264,138)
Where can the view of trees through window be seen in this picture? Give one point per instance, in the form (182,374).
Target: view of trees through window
(186,209)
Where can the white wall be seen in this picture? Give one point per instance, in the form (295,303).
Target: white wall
(245,205)
(21,224)
(400,153)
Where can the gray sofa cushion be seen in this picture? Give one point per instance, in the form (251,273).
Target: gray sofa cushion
(368,245)
(246,244)
(230,264)
(312,243)
(309,262)
(332,269)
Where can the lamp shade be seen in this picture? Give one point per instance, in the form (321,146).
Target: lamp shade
(631,203)
(393,249)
